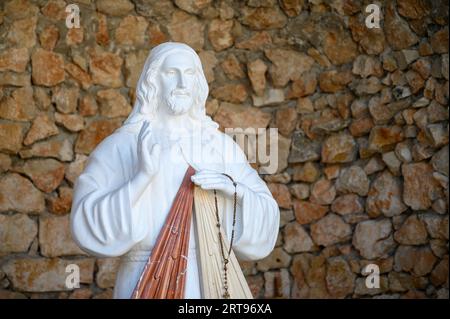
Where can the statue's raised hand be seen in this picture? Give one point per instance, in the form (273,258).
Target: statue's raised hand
(148,154)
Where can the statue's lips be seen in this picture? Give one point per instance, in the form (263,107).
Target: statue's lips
(184,95)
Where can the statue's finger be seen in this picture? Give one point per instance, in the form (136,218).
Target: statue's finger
(209,181)
(145,137)
(141,131)
(218,186)
(156,150)
(215,179)
(207,174)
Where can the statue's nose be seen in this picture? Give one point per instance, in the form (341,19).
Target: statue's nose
(182,81)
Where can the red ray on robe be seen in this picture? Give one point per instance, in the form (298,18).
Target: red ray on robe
(164,275)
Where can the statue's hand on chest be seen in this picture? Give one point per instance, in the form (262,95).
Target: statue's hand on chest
(211,180)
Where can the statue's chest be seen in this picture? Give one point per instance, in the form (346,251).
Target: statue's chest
(174,163)
(200,156)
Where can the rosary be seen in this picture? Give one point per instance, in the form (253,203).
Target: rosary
(226,259)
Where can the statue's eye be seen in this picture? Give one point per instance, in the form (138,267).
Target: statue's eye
(189,72)
(170,72)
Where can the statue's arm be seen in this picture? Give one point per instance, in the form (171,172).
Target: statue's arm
(258,214)
(258,217)
(106,219)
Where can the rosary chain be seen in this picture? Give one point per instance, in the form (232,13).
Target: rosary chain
(226,260)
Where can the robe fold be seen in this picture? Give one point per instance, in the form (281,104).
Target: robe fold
(105,223)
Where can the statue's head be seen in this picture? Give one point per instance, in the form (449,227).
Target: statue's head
(171,81)
(177,81)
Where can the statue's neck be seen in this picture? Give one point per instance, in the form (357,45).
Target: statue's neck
(176,125)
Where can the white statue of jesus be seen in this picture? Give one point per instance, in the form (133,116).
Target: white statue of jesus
(122,198)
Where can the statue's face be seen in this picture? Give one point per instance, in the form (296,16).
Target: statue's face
(177,81)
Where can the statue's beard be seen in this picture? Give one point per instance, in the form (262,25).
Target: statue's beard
(178,101)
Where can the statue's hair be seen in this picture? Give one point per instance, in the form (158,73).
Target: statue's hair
(146,103)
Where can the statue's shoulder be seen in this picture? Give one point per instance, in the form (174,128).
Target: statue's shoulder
(223,138)
(120,141)
(228,148)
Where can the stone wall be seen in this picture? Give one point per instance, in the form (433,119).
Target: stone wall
(361,113)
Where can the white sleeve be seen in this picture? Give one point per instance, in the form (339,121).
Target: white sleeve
(257,215)
(103,222)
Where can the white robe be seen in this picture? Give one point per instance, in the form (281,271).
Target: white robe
(105,224)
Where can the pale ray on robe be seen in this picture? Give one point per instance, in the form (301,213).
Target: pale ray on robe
(211,262)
